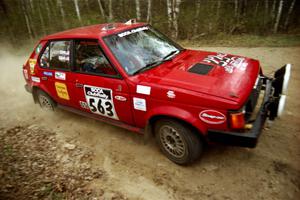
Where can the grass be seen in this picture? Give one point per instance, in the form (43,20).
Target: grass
(244,41)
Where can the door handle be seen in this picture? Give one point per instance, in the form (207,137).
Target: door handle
(79,85)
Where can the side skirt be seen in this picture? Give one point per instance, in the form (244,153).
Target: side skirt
(102,119)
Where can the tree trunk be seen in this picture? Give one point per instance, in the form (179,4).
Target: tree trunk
(236,8)
(41,18)
(256,8)
(149,11)
(138,10)
(169,11)
(196,23)
(8,27)
(3,7)
(266,13)
(48,11)
(77,10)
(244,8)
(273,9)
(62,13)
(175,19)
(87,5)
(218,9)
(110,11)
(27,20)
(278,16)
(101,9)
(286,23)
(30,12)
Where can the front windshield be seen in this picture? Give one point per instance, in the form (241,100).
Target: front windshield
(140,48)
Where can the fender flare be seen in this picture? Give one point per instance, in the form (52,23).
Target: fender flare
(36,87)
(176,113)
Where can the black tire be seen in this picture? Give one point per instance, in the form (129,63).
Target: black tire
(45,100)
(178,141)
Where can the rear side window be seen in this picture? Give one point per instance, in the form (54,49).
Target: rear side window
(56,55)
(44,60)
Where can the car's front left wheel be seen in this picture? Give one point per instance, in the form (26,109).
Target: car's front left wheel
(178,141)
(45,101)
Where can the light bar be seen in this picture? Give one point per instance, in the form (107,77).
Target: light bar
(131,21)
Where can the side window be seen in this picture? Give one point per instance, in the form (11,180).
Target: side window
(44,60)
(60,54)
(56,55)
(90,58)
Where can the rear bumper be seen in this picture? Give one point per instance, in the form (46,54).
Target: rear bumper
(268,109)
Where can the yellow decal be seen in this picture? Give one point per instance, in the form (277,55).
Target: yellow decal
(32,63)
(62,91)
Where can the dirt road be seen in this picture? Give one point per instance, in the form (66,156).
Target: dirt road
(133,170)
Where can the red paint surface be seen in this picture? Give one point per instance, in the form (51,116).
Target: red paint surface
(194,93)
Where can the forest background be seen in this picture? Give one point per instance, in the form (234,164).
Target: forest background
(200,22)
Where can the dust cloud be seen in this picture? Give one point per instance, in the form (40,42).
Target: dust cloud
(16,104)
(141,172)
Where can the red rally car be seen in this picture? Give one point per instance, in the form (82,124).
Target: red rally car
(133,76)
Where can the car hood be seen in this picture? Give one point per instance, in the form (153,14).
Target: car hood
(218,74)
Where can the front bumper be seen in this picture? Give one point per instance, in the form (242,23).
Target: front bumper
(28,88)
(269,108)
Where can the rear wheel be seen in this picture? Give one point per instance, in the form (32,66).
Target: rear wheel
(177,141)
(45,101)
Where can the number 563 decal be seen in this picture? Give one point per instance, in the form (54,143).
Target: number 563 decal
(100,101)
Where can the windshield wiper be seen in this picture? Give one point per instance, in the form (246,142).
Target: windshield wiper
(170,54)
(148,66)
(155,63)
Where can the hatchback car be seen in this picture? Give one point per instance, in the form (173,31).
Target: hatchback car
(131,75)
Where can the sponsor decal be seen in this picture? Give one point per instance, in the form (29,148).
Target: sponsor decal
(35,79)
(25,72)
(83,104)
(60,75)
(171,94)
(120,98)
(228,62)
(63,56)
(32,63)
(62,91)
(139,104)
(141,89)
(48,73)
(100,101)
(212,117)
(133,31)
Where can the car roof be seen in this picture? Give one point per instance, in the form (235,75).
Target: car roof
(93,32)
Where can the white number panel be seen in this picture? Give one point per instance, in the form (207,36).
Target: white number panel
(100,101)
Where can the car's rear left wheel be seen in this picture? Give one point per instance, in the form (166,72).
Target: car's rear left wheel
(178,141)
(45,101)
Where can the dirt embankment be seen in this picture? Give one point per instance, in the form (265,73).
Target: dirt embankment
(61,155)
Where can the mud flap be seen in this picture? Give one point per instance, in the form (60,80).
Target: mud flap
(280,85)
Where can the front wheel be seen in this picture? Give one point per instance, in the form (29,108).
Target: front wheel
(45,101)
(177,141)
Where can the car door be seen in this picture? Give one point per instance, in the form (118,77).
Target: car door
(99,87)
(55,72)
